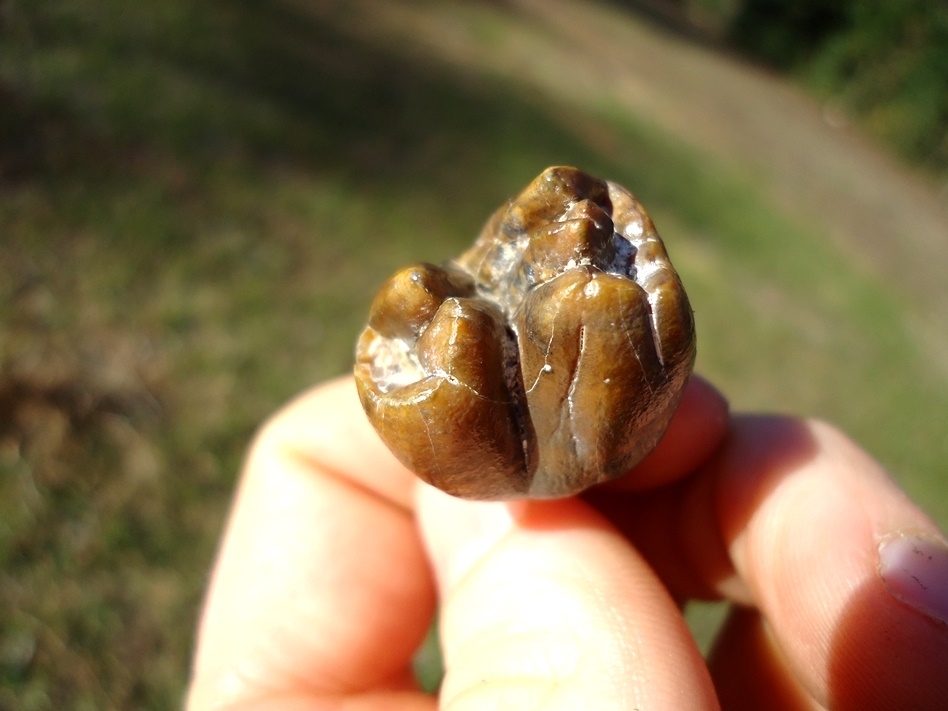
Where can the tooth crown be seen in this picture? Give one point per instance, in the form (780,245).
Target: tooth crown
(547,358)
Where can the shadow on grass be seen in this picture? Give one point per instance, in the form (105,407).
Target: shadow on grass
(268,85)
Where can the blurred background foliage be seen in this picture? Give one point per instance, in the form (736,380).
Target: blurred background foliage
(882,63)
(198,200)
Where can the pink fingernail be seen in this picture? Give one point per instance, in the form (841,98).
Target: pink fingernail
(915,570)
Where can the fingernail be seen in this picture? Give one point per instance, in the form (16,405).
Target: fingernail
(914,569)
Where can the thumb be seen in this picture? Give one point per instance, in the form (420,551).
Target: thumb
(545,604)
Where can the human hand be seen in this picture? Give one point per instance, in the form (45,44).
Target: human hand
(335,556)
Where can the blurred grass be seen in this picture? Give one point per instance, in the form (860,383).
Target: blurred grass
(198,201)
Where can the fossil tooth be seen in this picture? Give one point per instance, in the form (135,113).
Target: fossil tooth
(547,358)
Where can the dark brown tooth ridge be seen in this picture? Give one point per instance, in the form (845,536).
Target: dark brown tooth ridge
(548,357)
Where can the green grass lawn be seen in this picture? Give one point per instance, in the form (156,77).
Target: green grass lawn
(197,202)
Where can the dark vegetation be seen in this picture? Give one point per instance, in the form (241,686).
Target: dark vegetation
(197,201)
(883,63)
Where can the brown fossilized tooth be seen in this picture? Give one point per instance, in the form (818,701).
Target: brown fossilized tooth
(547,358)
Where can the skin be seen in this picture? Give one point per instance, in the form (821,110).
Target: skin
(335,556)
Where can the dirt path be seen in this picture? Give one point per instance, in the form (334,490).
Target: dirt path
(891,221)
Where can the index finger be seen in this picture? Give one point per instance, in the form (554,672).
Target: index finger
(821,542)
(321,589)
